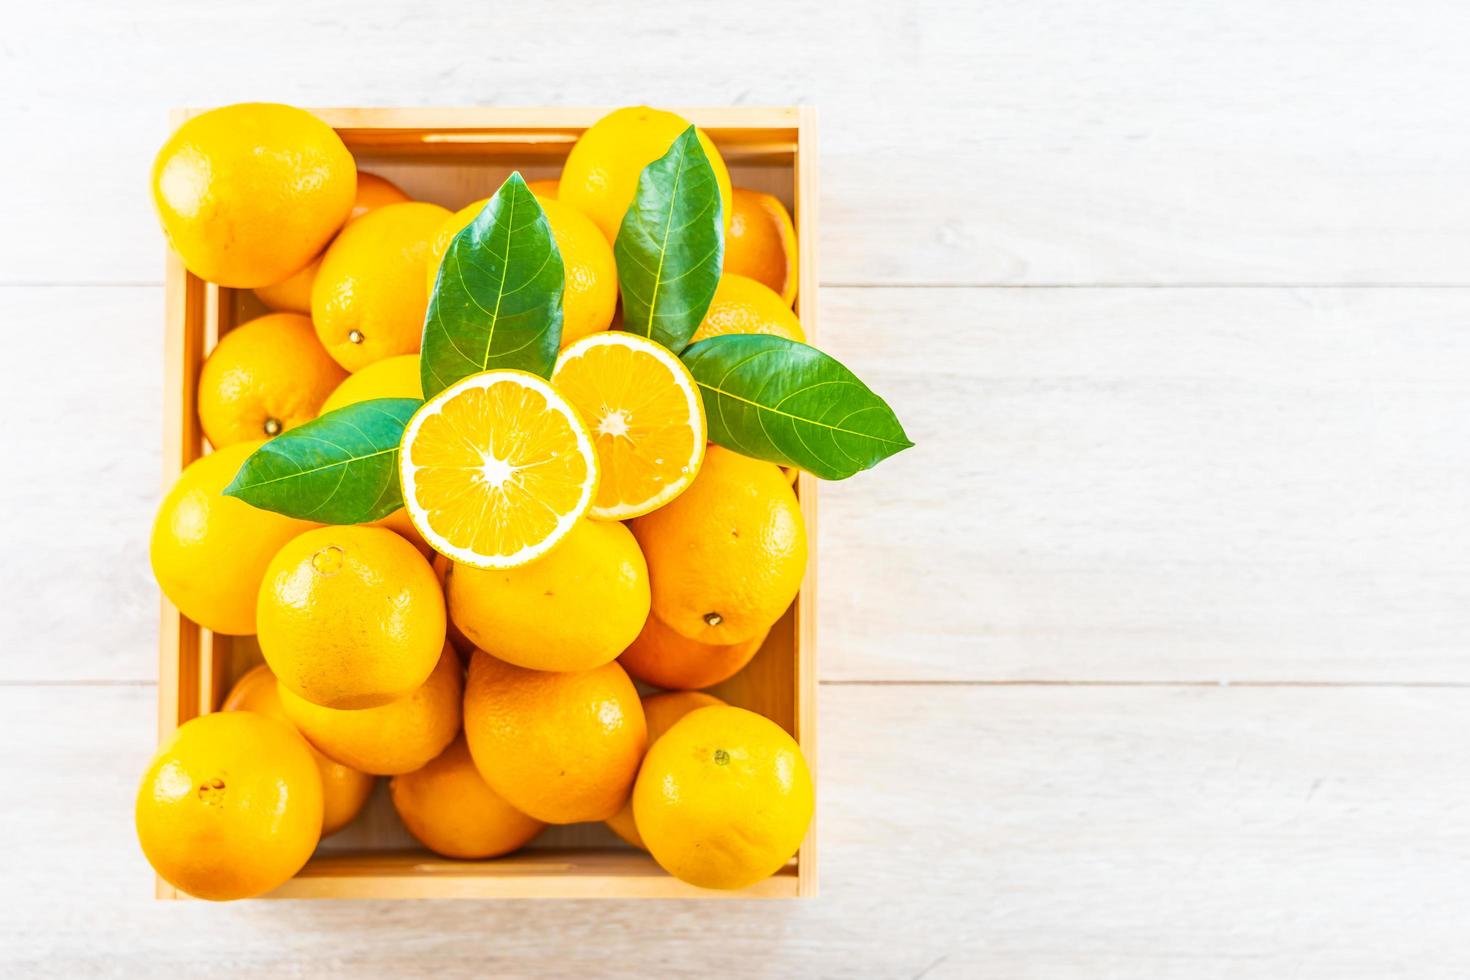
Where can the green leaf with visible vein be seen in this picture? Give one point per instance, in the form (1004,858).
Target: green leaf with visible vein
(671,245)
(341,468)
(788,403)
(498,300)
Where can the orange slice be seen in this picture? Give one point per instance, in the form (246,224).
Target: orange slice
(645,415)
(496,469)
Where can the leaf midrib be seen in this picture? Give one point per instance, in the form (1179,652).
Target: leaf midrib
(801,418)
(510,221)
(322,469)
(663,248)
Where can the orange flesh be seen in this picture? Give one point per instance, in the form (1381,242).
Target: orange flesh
(639,422)
(497,468)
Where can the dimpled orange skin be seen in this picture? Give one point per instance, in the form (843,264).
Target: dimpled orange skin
(248,194)
(266,376)
(723,799)
(742,305)
(392,377)
(726,556)
(371,284)
(344,789)
(374,192)
(452,811)
(545,188)
(561,747)
(761,243)
(590,297)
(350,617)
(601,174)
(574,608)
(209,552)
(661,711)
(665,658)
(393,738)
(230,807)
(293,294)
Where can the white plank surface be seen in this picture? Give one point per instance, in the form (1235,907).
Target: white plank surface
(1116,484)
(1186,484)
(82,396)
(969,831)
(1054,141)
(1131,486)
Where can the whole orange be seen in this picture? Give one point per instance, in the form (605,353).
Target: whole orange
(723,799)
(392,738)
(726,556)
(601,174)
(293,294)
(574,608)
(392,377)
(742,305)
(368,300)
(374,192)
(249,194)
(561,747)
(452,811)
(264,377)
(230,807)
(350,617)
(666,658)
(344,790)
(661,711)
(761,243)
(209,552)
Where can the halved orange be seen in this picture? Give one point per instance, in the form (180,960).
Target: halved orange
(496,469)
(646,418)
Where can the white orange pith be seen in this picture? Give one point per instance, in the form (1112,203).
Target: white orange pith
(496,469)
(645,415)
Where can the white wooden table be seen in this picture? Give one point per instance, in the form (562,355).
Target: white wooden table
(1150,661)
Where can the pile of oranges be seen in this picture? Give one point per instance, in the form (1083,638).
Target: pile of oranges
(480,645)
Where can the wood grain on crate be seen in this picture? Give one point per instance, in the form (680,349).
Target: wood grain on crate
(539,873)
(449,151)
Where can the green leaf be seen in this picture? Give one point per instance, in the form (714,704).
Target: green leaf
(497,301)
(778,400)
(341,468)
(671,245)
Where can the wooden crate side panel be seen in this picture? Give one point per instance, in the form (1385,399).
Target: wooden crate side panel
(178,638)
(439,155)
(743,132)
(456,182)
(805,680)
(538,874)
(765,684)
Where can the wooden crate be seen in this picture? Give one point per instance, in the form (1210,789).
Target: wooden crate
(451,157)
